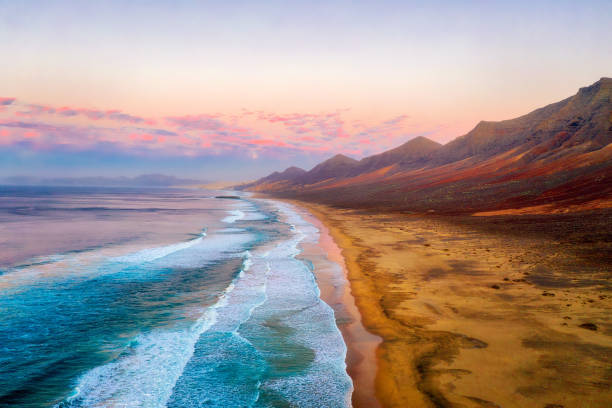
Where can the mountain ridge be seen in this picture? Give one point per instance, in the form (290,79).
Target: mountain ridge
(515,162)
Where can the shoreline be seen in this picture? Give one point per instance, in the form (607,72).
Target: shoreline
(362,345)
(476,313)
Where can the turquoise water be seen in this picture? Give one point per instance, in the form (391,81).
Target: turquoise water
(162,298)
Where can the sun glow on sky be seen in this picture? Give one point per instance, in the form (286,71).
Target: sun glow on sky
(233,90)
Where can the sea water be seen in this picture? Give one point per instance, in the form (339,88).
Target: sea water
(155,298)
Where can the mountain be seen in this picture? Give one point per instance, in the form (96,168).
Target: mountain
(338,166)
(579,120)
(145,180)
(278,179)
(411,154)
(289,174)
(555,158)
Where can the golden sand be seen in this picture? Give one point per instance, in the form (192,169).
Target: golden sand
(474,319)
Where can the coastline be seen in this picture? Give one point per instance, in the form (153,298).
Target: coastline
(380,385)
(361,361)
(472,316)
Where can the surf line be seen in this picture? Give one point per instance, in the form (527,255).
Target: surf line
(336,291)
(103,384)
(234,216)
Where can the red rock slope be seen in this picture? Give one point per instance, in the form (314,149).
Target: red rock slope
(556,158)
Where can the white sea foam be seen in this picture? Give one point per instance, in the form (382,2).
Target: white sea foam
(151,254)
(254,215)
(277,288)
(231,230)
(297,291)
(234,216)
(272,285)
(244,211)
(144,375)
(104,261)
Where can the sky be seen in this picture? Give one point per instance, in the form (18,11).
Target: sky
(234,90)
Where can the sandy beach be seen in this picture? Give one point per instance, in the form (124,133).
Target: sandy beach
(336,292)
(476,311)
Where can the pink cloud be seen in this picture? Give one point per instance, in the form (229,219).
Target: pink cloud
(267,142)
(396,120)
(6,101)
(144,137)
(34,110)
(31,134)
(92,114)
(186,140)
(200,122)
(308,139)
(239,133)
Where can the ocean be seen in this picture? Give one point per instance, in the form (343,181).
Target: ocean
(124,297)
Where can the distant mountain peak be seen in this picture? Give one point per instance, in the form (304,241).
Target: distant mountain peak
(294,169)
(340,158)
(604,83)
(291,172)
(411,153)
(421,142)
(288,174)
(421,138)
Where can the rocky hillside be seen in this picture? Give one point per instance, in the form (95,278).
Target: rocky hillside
(556,158)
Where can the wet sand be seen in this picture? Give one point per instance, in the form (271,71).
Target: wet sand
(472,316)
(336,292)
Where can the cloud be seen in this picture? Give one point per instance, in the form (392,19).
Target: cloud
(329,125)
(6,101)
(162,132)
(31,134)
(242,134)
(30,125)
(32,110)
(396,120)
(196,122)
(267,142)
(145,137)
(123,117)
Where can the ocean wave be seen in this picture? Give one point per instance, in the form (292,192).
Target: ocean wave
(152,254)
(234,216)
(273,340)
(145,373)
(268,337)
